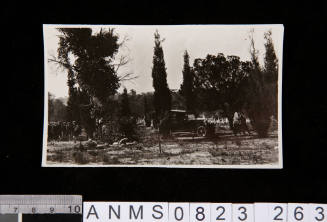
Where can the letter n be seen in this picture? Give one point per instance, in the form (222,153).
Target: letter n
(115,212)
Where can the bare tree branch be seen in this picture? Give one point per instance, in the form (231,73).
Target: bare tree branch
(123,60)
(63,64)
(127,77)
(125,39)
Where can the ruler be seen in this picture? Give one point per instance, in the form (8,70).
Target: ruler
(41,204)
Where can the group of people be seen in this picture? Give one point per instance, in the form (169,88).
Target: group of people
(63,130)
(239,123)
(218,121)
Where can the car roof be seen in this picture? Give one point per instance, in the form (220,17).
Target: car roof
(178,110)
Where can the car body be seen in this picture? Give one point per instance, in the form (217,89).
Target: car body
(182,121)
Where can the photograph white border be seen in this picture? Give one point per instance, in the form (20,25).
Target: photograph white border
(256,166)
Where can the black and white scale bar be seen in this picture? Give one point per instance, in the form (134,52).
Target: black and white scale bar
(41,204)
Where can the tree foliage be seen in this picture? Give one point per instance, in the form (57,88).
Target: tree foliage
(258,94)
(271,72)
(73,104)
(56,109)
(219,83)
(162,95)
(127,121)
(50,105)
(92,77)
(124,104)
(87,113)
(187,87)
(232,85)
(92,68)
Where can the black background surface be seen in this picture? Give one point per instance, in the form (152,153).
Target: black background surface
(304,176)
(51,218)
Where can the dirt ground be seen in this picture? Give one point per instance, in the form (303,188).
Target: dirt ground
(181,149)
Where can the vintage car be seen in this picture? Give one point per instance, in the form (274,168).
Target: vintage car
(182,121)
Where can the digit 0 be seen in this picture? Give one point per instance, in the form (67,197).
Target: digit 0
(76,209)
(181,214)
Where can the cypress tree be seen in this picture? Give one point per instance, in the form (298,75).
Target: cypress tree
(186,89)
(162,95)
(259,104)
(125,109)
(271,73)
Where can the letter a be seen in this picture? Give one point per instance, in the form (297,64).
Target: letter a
(92,211)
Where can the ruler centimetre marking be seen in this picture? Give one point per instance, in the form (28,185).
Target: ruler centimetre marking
(41,204)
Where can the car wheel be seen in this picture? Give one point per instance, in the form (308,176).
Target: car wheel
(201,131)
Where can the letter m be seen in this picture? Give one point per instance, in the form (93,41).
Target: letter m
(136,215)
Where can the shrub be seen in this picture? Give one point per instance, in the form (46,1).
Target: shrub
(57,157)
(261,125)
(81,157)
(128,128)
(211,128)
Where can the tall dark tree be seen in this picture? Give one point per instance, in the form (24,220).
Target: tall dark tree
(162,94)
(145,106)
(73,106)
(186,89)
(271,72)
(258,93)
(86,112)
(92,70)
(124,107)
(127,122)
(50,106)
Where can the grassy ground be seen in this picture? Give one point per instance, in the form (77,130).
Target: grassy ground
(223,149)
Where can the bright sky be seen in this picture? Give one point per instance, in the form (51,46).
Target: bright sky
(198,40)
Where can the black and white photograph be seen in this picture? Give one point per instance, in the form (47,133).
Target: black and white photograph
(180,96)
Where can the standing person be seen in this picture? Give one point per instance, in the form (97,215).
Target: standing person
(235,119)
(70,130)
(77,130)
(244,126)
